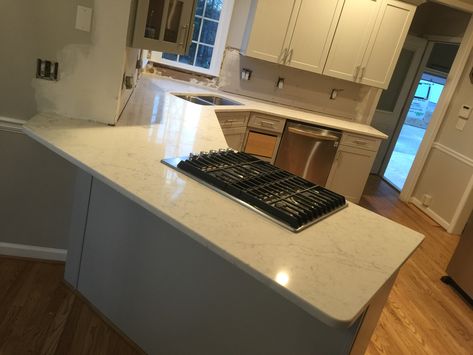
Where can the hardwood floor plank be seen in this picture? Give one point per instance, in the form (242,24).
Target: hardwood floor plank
(422,315)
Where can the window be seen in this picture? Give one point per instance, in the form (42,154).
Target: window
(211,22)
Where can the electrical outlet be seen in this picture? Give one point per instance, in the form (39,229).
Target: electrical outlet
(426,200)
(47,70)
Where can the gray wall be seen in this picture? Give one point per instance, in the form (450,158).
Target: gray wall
(439,20)
(36,188)
(19,48)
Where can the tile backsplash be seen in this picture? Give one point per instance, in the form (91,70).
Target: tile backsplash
(301,89)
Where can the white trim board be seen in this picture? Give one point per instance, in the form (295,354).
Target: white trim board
(438,116)
(11,124)
(430,213)
(454,154)
(32,251)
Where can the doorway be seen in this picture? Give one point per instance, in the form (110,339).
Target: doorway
(426,96)
(405,108)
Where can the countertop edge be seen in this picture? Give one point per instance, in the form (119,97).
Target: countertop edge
(249,108)
(323,317)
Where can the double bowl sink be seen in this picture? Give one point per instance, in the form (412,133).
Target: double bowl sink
(208,100)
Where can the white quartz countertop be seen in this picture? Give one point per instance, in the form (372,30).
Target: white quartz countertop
(157,87)
(331,270)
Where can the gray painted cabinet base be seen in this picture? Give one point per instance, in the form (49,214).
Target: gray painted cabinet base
(172,295)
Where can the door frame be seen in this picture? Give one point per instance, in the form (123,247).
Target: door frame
(438,115)
(420,71)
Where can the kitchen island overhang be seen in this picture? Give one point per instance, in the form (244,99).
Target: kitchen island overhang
(335,269)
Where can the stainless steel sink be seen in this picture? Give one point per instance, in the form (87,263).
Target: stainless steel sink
(208,100)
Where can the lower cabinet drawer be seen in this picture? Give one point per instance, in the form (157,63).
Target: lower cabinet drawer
(363,142)
(269,123)
(261,144)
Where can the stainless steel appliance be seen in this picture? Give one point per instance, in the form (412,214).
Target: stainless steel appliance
(287,199)
(460,268)
(308,151)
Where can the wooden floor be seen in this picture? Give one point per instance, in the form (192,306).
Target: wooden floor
(422,315)
(39,314)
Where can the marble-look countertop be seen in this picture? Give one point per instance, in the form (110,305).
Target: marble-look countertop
(157,86)
(331,270)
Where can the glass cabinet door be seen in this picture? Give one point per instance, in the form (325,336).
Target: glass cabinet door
(164,25)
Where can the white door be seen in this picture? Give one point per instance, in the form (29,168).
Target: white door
(311,39)
(351,38)
(393,101)
(386,43)
(272,21)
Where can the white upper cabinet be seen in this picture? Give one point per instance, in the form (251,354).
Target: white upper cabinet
(386,43)
(351,38)
(268,28)
(310,41)
(355,40)
(163,25)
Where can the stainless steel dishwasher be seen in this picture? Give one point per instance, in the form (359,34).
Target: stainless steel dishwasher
(308,151)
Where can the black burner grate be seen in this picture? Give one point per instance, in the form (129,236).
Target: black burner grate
(284,196)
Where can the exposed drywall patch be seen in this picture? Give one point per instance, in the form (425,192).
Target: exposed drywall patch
(90,74)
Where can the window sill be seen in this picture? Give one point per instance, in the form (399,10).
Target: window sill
(180,70)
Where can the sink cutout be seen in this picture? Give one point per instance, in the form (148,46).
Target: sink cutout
(208,100)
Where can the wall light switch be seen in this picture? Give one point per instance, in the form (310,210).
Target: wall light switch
(464,112)
(83,18)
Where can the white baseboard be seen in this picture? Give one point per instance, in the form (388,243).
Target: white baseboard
(31,251)
(430,213)
(11,124)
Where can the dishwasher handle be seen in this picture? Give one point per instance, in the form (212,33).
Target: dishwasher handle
(311,134)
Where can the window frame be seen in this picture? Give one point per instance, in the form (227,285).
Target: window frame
(218,48)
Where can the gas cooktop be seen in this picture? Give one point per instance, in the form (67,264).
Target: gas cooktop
(285,198)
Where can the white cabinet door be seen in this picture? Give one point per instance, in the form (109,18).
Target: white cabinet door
(350,172)
(386,43)
(234,137)
(312,35)
(272,21)
(164,25)
(351,38)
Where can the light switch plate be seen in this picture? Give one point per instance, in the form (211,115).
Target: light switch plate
(464,112)
(83,18)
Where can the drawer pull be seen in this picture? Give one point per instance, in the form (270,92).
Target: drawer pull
(360,142)
(267,124)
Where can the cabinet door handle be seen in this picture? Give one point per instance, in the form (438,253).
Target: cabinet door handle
(289,57)
(356,141)
(357,70)
(282,57)
(183,35)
